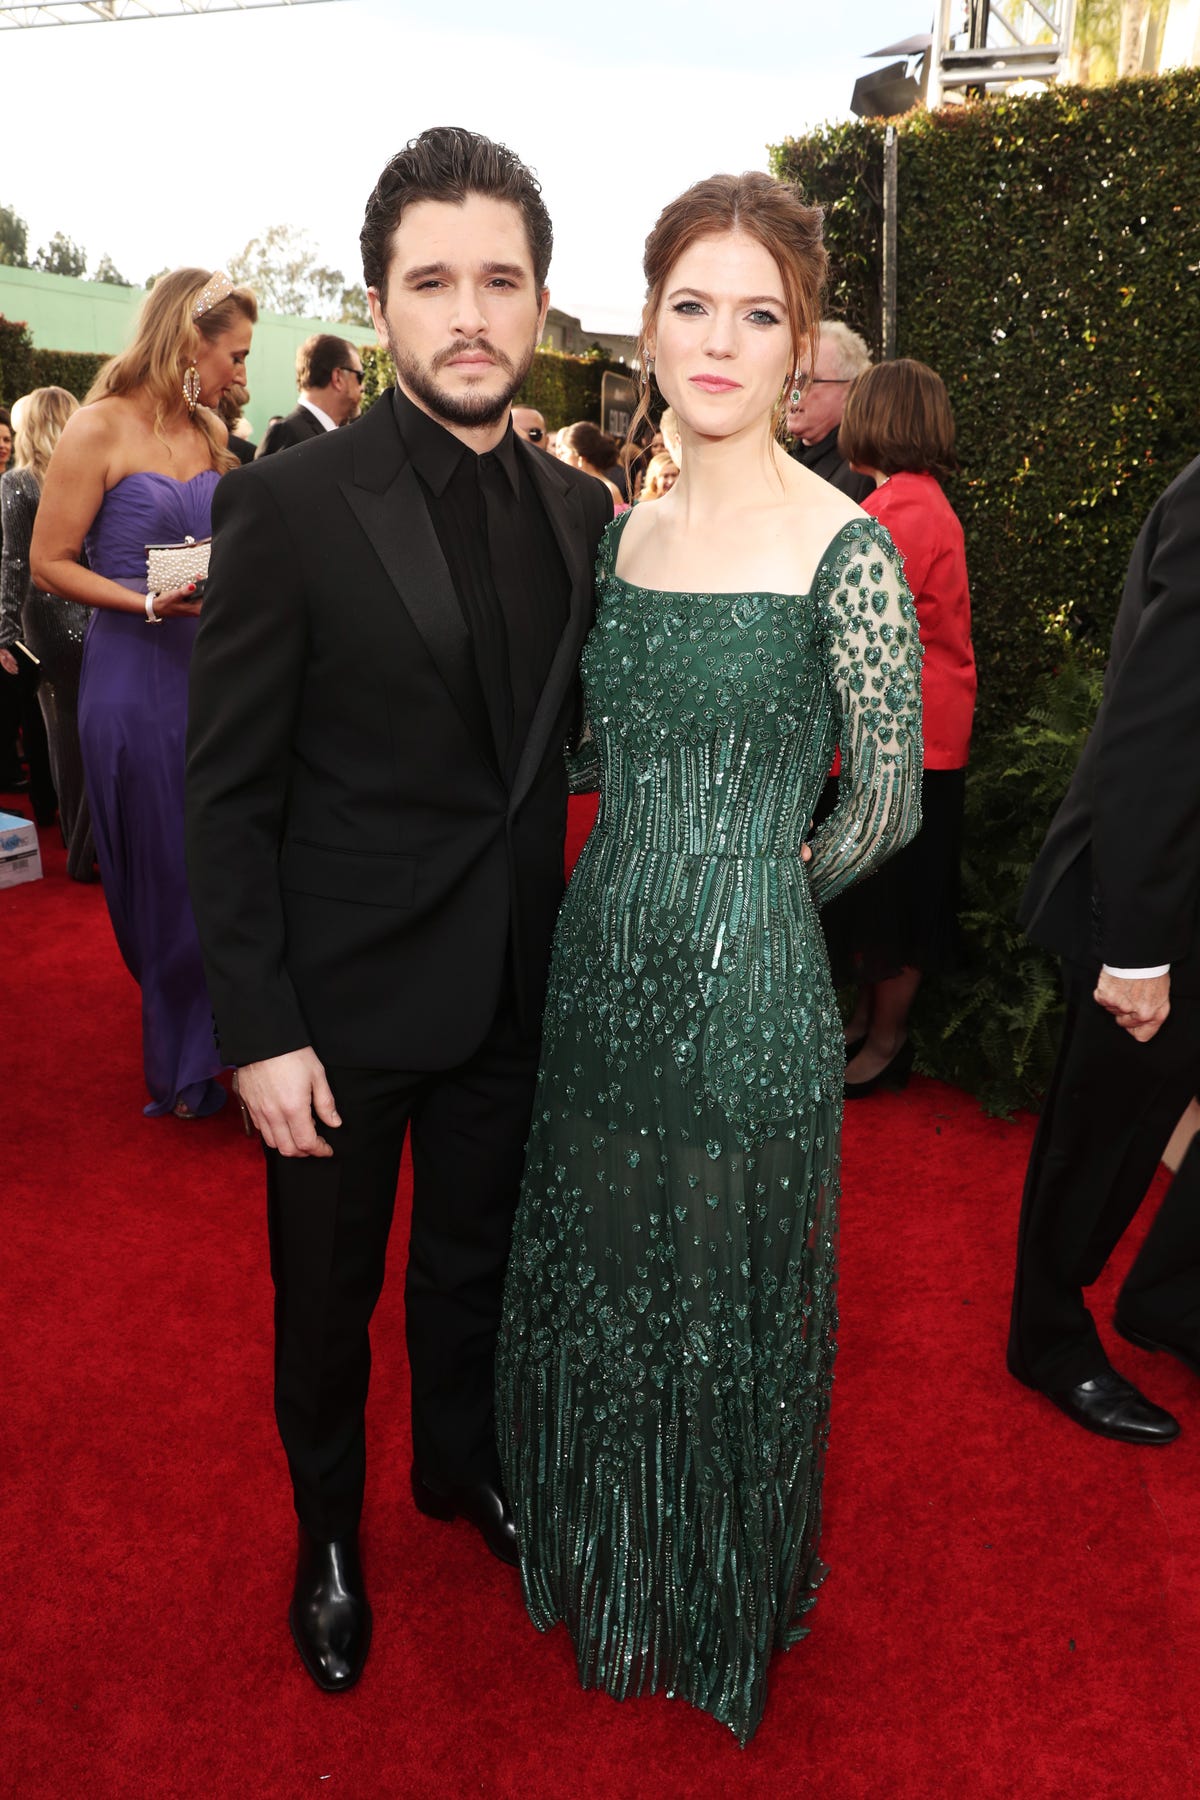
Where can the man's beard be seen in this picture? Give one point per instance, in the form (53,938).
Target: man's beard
(462,408)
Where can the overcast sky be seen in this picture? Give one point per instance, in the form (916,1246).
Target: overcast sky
(175,140)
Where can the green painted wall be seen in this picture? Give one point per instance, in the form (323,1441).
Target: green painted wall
(65,314)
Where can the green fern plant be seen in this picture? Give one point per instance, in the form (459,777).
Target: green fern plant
(992,1027)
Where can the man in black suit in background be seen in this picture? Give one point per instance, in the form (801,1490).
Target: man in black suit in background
(329,374)
(382,685)
(813,425)
(1116,892)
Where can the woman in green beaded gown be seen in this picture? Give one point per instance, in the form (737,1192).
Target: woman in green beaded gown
(667,1344)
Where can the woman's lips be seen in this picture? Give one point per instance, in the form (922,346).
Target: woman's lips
(713,384)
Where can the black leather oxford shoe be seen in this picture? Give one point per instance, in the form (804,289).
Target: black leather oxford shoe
(1188,1354)
(329,1614)
(482,1504)
(1112,1407)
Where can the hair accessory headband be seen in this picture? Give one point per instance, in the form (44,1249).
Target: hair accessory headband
(219,288)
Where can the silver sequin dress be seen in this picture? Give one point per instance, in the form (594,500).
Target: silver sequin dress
(667,1343)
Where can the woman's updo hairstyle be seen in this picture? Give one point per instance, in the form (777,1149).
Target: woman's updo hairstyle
(768,210)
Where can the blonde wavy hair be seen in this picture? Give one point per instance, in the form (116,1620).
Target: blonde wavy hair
(165,340)
(38,427)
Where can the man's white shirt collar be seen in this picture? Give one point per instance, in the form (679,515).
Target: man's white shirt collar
(324,418)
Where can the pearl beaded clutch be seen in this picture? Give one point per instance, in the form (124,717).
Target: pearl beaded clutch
(172,566)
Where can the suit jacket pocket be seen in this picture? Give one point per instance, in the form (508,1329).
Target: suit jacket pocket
(362,877)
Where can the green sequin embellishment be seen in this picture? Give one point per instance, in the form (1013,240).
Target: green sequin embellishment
(667,1343)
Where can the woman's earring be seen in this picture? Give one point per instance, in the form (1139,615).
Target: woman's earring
(191,388)
(794,396)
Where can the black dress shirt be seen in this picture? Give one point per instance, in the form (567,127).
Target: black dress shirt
(504,561)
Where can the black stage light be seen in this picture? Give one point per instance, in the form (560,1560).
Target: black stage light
(885,93)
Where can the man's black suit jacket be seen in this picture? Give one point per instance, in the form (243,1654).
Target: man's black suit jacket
(1118,877)
(360,870)
(297,428)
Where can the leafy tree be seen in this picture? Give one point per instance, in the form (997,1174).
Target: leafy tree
(107,271)
(61,257)
(14,239)
(355,310)
(283,269)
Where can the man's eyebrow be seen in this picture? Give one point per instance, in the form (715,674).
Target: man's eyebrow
(423,271)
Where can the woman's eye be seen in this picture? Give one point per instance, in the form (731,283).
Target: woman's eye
(760,316)
(688,307)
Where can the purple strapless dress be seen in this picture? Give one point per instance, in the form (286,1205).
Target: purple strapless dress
(132,724)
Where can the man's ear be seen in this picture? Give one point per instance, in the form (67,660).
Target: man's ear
(543,309)
(377,316)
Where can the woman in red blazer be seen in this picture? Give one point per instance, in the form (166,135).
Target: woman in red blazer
(901,923)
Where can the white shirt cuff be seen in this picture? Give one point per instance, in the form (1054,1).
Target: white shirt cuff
(1137,974)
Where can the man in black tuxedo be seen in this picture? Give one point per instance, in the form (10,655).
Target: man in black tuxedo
(1116,892)
(329,374)
(383,682)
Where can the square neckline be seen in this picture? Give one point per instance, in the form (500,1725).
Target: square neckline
(726,593)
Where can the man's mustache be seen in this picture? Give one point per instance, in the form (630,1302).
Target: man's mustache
(476,346)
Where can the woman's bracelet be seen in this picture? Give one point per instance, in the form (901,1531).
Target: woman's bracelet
(152,618)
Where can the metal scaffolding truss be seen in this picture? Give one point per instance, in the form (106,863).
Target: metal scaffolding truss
(999,42)
(23,14)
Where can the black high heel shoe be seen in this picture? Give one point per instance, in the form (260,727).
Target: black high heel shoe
(893,1074)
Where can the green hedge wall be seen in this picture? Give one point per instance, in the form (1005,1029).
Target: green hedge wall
(16,360)
(74,370)
(1047,268)
(564,389)
(24,367)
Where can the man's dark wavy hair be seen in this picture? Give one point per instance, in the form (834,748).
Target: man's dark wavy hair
(447,163)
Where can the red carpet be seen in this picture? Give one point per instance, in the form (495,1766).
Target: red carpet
(1014,1607)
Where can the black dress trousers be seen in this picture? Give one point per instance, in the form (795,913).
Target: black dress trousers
(329,1219)
(1111,1107)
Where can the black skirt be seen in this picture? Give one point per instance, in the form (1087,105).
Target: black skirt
(905,916)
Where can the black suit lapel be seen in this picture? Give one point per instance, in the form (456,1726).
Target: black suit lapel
(387,501)
(564,509)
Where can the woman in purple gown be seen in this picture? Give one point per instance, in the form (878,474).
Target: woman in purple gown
(137,466)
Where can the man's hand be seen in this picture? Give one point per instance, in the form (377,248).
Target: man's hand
(281,1096)
(1138,1006)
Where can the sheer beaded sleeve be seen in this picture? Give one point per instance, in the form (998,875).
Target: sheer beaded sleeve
(873,657)
(19,495)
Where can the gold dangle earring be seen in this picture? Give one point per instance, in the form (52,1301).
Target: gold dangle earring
(794,396)
(191,388)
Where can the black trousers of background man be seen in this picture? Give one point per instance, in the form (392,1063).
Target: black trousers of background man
(329,1219)
(1109,1113)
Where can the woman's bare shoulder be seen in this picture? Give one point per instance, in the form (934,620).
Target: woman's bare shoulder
(95,426)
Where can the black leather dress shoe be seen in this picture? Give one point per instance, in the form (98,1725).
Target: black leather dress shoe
(1112,1407)
(329,1614)
(1188,1354)
(893,1074)
(482,1504)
